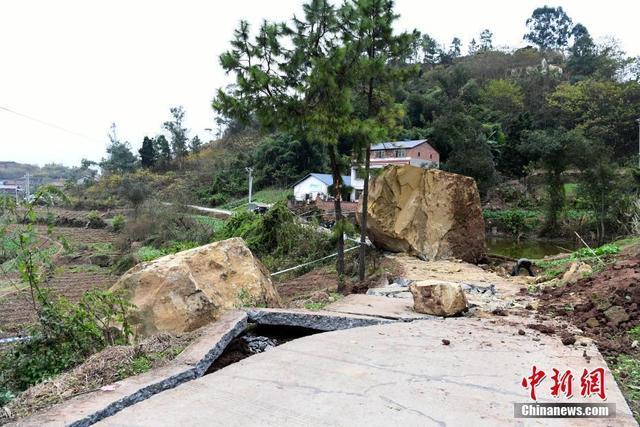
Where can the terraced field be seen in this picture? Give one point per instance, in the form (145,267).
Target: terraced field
(73,276)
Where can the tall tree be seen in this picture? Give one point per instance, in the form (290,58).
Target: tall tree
(549,28)
(178,133)
(119,156)
(430,49)
(295,78)
(486,40)
(195,145)
(456,48)
(583,56)
(147,153)
(473,47)
(369,37)
(163,151)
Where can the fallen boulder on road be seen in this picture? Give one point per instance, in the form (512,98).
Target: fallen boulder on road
(426,212)
(438,298)
(182,292)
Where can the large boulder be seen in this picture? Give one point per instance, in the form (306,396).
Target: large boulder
(438,298)
(426,212)
(182,292)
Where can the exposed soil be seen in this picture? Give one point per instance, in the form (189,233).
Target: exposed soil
(604,306)
(316,285)
(72,277)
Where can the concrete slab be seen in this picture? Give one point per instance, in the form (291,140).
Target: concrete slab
(319,320)
(391,374)
(190,364)
(378,306)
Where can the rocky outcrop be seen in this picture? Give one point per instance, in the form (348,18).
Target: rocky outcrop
(438,298)
(182,292)
(426,212)
(578,270)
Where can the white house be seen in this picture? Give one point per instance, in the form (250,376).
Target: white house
(417,153)
(314,185)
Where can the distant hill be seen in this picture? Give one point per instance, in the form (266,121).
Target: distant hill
(15,170)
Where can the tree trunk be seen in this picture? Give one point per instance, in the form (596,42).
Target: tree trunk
(363,218)
(337,197)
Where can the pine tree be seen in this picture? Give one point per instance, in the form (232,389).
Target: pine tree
(147,153)
(299,79)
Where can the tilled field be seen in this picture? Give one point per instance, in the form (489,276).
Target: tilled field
(71,279)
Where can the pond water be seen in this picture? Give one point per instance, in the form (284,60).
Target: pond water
(529,248)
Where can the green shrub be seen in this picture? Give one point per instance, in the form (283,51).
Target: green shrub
(608,249)
(6,396)
(277,238)
(515,221)
(149,253)
(95,220)
(118,222)
(65,336)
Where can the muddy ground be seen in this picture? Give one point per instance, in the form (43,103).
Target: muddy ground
(75,273)
(604,306)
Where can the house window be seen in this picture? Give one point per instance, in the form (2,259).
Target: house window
(431,156)
(401,152)
(378,154)
(418,154)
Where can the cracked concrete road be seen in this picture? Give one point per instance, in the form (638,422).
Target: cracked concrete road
(383,375)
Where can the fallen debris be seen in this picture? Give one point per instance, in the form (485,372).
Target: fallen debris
(428,213)
(438,298)
(182,292)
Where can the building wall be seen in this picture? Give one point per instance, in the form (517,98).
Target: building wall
(311,186)
(424,152)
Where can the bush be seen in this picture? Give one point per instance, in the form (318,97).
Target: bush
(118,222)
(66,334)
(277,238)
(515,221)
(95,220)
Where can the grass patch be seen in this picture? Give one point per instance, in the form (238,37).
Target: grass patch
(626,371)
(319,305)
(214,223)
(138,365)
(102,248)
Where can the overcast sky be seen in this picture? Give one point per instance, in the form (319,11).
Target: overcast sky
(81,65)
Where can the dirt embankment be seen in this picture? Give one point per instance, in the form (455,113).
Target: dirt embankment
(604,306)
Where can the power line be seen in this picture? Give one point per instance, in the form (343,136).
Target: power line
(26,116)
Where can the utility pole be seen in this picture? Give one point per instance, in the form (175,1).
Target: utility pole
(250,170)
(28,187)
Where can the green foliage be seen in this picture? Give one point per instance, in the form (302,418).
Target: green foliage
(178,132)
(118,222)
(147,153)
(626,371)
(549,28)
(149,253)
(95,220)
(604,250)
(6,396)
(138,365)
(276,237)
(66,334)
(281,160)
(119,156)
(515,222)
(315,305)
(634,333)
